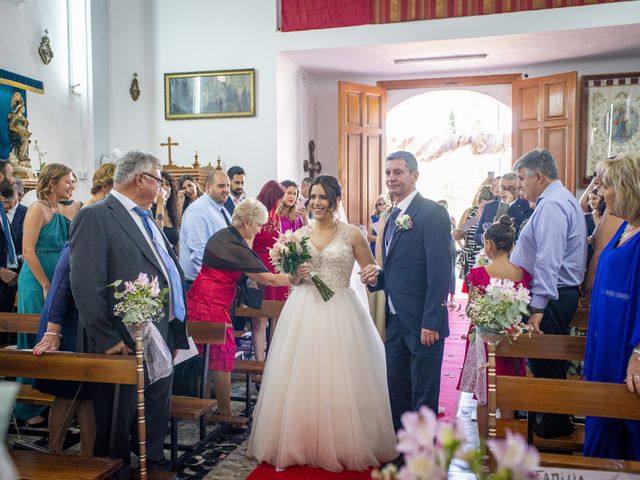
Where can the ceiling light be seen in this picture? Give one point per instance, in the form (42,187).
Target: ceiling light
(450,58)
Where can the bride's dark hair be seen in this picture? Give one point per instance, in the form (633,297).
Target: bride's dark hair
(331,187)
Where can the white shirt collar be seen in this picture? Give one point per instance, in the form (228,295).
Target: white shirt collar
(124,200)
(404,204)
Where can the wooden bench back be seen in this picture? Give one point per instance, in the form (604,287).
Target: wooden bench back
(546,347)
(80,367)
(270,309)
(210,333)
(573,397)
(19,322)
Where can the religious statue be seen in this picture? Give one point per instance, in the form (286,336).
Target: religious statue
(19,137)
(46,54)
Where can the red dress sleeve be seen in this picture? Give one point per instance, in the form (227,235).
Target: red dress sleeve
(478,277)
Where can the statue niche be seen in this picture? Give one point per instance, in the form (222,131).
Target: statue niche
(19,137)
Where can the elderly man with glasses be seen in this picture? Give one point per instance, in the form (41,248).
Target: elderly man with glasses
(510,203)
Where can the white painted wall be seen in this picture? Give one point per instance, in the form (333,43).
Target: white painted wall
(57,119)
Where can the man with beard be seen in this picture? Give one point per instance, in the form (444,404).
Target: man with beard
(201,220)
(237,178)
(8,255)
(510,203)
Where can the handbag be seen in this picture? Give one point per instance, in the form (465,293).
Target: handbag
(249,296)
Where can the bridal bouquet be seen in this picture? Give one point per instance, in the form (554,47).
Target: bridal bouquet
(499,309)
(140,303)
(430,446)
(289,252)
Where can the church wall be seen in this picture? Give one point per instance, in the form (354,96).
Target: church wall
(57,119)
(326,103)
(200,35)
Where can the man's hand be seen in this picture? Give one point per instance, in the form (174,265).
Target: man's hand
(9,277)
(534,321)
(369,274)
(118,349)
(457,234)
(428,337)
(633,374)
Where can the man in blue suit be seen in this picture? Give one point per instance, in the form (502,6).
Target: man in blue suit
(510,203)
(237,178)
(15,213)
(8,254)
(417,270)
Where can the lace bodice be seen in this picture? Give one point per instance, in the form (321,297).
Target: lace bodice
(334,264)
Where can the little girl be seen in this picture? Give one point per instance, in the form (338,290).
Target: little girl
(498,242)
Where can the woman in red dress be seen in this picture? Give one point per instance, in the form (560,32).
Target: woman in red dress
(228,257)
(271,196)
(499,239)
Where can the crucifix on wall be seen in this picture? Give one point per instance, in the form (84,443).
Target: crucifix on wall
(311,165)
(169,144)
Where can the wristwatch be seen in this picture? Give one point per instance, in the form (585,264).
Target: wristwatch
(534,310)
(159,216)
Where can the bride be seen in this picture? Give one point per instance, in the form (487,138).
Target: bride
(324,400)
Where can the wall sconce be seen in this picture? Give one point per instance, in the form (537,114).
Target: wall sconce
(311,165)
(134,89)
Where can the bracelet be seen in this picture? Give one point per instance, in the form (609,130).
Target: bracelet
(55,334)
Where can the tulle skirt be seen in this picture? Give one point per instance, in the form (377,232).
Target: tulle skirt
(324,400)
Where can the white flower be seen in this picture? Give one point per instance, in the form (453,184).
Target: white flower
(422,466)
(419,431)
(404,222)
(515,455)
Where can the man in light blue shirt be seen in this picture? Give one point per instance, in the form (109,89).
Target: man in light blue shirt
(201,220)
(553,248)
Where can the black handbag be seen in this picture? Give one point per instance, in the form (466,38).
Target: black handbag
(249,296)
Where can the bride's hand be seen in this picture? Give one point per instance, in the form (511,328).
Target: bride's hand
(304,270)
(369,274)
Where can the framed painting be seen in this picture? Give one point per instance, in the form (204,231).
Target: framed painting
(218,94)
(609,119)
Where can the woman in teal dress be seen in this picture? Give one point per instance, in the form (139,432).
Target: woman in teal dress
(46,230)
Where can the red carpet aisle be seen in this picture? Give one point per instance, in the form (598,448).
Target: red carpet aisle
(453,357)
(267,472)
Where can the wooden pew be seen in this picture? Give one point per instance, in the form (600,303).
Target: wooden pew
(75,367)
(270,309)
(557,396)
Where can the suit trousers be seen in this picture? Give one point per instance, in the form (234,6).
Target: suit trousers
(555,321)
(413,370)
(157,412)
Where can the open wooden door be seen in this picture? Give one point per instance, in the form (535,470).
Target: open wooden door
(544,116)
(361,118)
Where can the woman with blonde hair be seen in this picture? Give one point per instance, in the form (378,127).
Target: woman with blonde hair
(613,338)
(46,229)
(102,182)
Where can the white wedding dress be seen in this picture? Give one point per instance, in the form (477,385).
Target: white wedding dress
(324,400)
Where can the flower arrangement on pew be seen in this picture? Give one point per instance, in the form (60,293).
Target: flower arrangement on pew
(498,310)
(139,304)
(289,252)
(429,446)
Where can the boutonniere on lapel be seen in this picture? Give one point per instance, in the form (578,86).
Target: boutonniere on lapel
(404,222)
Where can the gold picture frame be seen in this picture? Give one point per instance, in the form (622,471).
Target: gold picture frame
(215,94)
(610,119)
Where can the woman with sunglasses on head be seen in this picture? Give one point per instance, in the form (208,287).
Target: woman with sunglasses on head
(372,232)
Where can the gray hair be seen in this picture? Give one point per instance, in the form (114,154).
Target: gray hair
(509,176)
(248,211)
(408,157)
(131,164)
(538,160)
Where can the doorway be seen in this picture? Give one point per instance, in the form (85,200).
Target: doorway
(458,137)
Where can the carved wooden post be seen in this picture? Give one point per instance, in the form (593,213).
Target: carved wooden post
(142,430)
(491,384)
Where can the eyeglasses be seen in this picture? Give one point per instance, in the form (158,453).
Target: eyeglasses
(381,204)
(159,180)
(504,188)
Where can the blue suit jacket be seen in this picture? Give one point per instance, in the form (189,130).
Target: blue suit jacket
(17,226)
(417,268)
(229,205)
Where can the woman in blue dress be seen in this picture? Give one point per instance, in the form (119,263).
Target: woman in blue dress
(613,338)
(46,230)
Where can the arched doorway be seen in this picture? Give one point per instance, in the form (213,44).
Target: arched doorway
(458,136)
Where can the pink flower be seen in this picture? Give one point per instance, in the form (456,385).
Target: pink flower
(155,287)
(515,455)
(451,434)
(143,279)
(419,431)
(129,287)
(422,466)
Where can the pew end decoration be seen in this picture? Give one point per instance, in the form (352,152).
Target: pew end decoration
(139,304)
(497,311)
(289,252)
(429,446)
